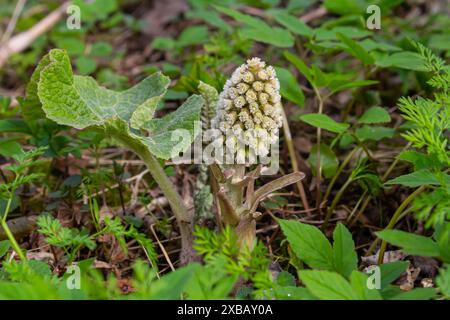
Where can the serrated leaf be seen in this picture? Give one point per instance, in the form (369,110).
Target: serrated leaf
(358,281)
(175,132)
(375,115)
(327,285)
(289,87)
(80,102)
(345,259)
(325,122)
(391,271)
(411,243)
(211,97)
(309,244)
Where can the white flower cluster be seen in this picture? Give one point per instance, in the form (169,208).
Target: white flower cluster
(249,109)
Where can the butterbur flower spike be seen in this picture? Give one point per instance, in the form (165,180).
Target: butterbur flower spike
(249,109)
(249,116)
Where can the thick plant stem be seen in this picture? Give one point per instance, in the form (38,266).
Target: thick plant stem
(179,209)
(393,222)
(9,234)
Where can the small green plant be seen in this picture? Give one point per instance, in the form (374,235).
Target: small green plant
(334,273)
(25,160)
(80,102)
(71,240)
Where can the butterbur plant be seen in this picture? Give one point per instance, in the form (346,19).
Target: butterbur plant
(248,117)
(127,117)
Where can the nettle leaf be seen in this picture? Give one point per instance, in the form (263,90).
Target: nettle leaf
(290,89)
(80,102)
(345,259)
(411,243)
(309,244)
(375,115)
(323,121)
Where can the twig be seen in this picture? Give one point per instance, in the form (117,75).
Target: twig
(292,155)
(21,41)
(12,23)
(162,248)
(313,15)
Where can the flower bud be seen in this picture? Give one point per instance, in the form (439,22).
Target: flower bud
(249,108)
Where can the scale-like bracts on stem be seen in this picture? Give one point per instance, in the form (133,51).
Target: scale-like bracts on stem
(249,110)
(249,115)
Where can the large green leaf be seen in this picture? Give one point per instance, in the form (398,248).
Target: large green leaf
(443,281)
(375,115)
(358,281)
(345,259)
(309,244)
(391,271)
(291,22)
(256,29)
(355,49)
(323,121)
(374,133)
(289,87)
(416,179)
(403,60)
(327,285)
(80,102)
(328,160)
(411,243)
(416,294)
